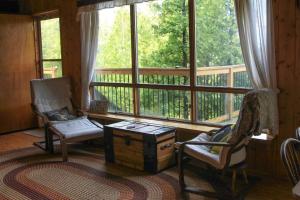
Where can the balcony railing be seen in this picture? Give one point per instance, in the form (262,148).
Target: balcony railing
(211,107)
(50,72)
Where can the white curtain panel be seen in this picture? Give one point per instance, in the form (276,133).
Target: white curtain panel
(89,45)
(108,4)
(255,23)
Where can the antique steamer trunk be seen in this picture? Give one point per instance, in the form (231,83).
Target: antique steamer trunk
(139,145)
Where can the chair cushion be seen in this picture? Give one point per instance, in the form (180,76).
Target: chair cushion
(203,137)
(62,114)
(217,149)
(202,152)
(221,133)
(81,127)
(238,157)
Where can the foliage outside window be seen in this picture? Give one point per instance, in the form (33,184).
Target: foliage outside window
(50,57)
(161,84)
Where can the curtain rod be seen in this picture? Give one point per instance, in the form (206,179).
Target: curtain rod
(81,3)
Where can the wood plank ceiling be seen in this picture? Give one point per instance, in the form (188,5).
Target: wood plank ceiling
(9,6)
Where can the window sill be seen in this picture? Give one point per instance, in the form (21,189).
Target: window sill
(263,137)
(177,125)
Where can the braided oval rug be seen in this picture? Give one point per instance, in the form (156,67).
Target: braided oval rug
(33,174)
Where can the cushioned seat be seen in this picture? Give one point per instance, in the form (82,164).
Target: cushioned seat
(203,153)
(80,127)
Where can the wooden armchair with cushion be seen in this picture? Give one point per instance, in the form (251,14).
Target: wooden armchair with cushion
(52,102)
(222,150)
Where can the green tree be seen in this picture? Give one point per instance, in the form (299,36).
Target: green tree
(148,43)
(115,43)
(51,46)
(171,33)
(50,34)
(217,37)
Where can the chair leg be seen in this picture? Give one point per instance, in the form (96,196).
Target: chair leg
(64,151)
(181,177)
(245,176)
(181,172)
(233,180)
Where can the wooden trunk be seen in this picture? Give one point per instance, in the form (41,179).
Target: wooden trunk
(145,147)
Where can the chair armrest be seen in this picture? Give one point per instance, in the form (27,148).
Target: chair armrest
(183,144)
(81,113)
(206,143)
(97,124)
(40,114)
(212,131)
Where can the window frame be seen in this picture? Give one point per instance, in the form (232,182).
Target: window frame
(38,18)
(193,88)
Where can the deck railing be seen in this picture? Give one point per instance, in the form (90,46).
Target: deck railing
(212,107)
(50,72)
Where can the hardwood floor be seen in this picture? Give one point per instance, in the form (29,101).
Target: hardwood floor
(267,189)
(16,140)
(271,189)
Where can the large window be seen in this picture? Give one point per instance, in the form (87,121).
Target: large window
(156,59)
(50,47)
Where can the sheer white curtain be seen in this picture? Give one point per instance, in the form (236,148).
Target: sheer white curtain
(108,4)
(89,45)
(255,23)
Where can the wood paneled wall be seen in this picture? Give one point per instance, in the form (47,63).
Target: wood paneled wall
(263,156)
(17,68)
(288,71)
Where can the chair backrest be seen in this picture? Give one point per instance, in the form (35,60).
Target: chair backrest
(298,133)
(246,126)
(248,121)
(289,153)
(51,94)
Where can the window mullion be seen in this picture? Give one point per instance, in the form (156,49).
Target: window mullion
(134,58)
(39,54)
(192,38)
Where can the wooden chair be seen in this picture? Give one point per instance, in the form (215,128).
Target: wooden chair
(289,153)
(232,155)
(54,94)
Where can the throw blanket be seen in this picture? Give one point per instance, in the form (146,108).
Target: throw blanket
(268,113)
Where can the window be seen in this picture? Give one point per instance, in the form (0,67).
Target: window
(155,60)
(113,62)
(50,47)
(219,61)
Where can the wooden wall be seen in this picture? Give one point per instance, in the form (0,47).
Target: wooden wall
(288,71)
(17,68)
(263,156)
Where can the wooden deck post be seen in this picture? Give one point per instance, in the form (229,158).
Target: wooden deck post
(229,99)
